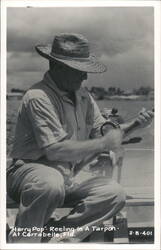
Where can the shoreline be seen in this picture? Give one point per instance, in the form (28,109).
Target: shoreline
(19,96)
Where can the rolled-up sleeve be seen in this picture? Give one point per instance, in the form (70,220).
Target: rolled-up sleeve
(46,125)
(96,119)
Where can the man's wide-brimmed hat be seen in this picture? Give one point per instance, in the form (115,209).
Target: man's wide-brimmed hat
(72,50)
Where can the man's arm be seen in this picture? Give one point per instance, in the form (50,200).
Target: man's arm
(69,150)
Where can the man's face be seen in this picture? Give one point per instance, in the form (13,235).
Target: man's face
(67,79)
(73,79)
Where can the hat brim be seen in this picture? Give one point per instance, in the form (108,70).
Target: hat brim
(89,65)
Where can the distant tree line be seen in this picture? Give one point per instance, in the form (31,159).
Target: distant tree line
(142,91)
(101,93)
(17,90)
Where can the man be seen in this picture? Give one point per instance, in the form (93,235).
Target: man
(58,130)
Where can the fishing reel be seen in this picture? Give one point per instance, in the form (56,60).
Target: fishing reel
(113,120)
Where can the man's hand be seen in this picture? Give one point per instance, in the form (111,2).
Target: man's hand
(145,118)
(113,139)
(102,165)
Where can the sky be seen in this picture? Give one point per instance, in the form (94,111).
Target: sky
(121,37)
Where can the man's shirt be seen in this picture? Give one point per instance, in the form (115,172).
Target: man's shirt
(47,116)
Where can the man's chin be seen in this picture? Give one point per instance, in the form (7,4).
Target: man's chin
(75,88)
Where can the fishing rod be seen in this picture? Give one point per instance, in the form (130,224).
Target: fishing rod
(114,121)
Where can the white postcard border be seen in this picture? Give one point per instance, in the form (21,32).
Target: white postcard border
(83,3)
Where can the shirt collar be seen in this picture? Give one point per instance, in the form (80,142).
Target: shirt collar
(80,94)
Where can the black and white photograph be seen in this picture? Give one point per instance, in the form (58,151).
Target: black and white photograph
(81,139)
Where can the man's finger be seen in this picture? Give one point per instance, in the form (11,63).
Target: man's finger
(142,110)
(151,113)
(145,112)
(142,119)
(146,115)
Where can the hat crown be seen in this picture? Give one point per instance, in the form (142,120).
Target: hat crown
(70,45)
